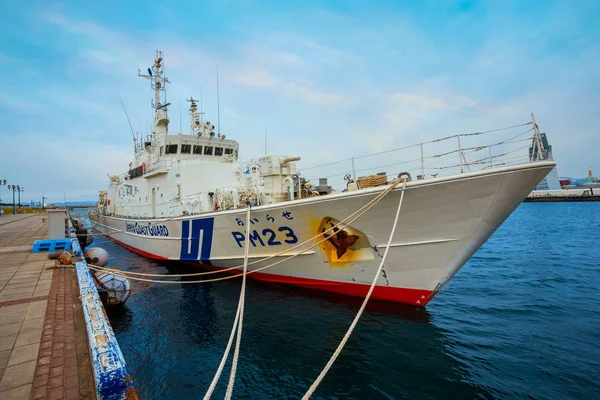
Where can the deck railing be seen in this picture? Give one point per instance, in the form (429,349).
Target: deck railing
(448,155)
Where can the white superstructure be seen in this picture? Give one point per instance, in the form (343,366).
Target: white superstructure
(184,196)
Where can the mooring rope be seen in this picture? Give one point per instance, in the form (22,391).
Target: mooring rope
(337,352)
(354,218)
(238,339)
(348,219)
(237,323)
(238,320)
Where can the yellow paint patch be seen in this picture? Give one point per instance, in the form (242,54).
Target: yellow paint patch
(344,246)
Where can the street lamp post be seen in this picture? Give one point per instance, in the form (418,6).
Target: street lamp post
(2,183)
(14,189)
(20,189)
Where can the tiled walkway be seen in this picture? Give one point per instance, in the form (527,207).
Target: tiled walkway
(42,353)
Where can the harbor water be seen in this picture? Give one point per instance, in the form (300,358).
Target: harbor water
(520,320)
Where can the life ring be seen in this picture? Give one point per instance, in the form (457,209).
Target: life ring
(143,168)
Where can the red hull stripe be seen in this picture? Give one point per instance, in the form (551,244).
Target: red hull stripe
(417,297)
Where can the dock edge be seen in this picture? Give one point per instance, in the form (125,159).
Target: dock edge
(111,376)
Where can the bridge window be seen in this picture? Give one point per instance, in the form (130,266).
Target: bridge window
(197,149)
(186,148)
(218,151)
(171,149)
(228,151)
(208,150)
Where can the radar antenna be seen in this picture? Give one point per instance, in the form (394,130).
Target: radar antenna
(158,82)
(195,124)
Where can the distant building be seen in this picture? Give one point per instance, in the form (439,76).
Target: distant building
(551,181)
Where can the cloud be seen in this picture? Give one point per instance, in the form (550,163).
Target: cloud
(312,96)
(427,101)
(261,78)
(101,56)
(328,82)
(256,78)
(72,166)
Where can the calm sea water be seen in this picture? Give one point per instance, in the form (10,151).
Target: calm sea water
(520,320)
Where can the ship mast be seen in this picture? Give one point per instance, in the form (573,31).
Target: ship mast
(158,82)
(196,123)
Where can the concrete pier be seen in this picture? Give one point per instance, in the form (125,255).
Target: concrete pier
(43,343)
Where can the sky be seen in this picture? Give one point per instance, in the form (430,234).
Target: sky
(329,79)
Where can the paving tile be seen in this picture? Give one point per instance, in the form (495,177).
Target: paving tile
(34,264)
(32,324)
(15,259)
(14,308)
(10,249)
(24,353)
(9,329)
(48,325)
(40,379)
(7,342)
(46,275)
(11,318)
(14,296)
(21,285)
(4,357)
(29,337)
(41,292)
(18,393)
(72,393)
(12,289)
(38,305)
(56,393)
(55,382)
(27,273)
(57,371)
(15,280)
(35,313)
(17,375)
(7,273)
(44,284)
(37,257)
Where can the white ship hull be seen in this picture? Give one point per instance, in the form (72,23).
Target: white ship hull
(442,223)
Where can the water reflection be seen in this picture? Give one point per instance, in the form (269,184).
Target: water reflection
(173,337)
(498,329)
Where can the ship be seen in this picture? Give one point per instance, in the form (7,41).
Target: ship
(185,198)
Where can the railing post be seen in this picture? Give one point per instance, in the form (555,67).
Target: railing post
(490,150)
(460,154)
(422,163)
(538,137)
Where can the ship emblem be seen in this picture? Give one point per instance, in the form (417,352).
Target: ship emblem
(341,240)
